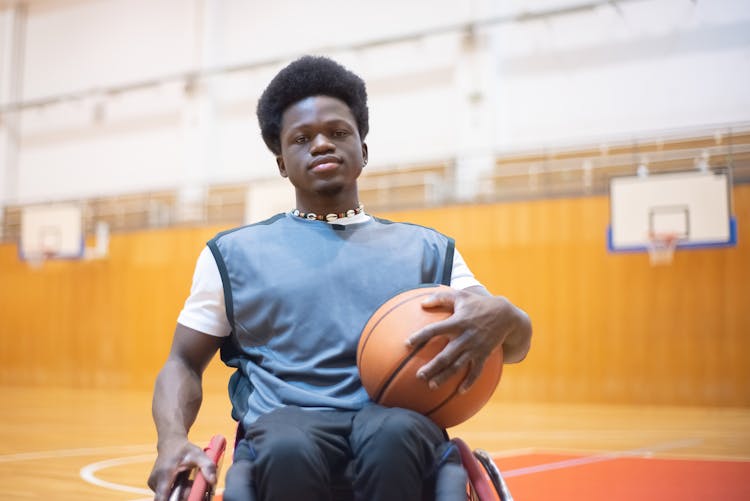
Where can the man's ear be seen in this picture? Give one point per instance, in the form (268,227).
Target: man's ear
(282,167)
(364,154)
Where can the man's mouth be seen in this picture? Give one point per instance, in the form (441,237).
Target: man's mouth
(325,167)
(325,164)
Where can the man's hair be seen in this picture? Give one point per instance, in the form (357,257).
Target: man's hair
(310,76)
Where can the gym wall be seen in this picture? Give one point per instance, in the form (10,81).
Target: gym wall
(608,328)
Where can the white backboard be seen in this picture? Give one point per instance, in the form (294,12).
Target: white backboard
(53,231)
(693,206)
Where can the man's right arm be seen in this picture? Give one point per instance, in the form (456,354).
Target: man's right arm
(177,398)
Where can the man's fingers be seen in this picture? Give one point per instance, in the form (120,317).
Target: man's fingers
(444,365)
(160,481)
(420,337)
(431,371)
(152,482)
(208,469)
(198,458)
(162,488)
(446,299)
(475,370)
(441,328)
(163,478)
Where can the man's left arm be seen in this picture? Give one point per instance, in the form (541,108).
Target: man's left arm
(480,323)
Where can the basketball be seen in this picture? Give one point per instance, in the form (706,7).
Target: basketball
(388,368)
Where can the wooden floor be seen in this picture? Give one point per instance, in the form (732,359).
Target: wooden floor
(78,445)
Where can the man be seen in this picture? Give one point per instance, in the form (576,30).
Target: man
(285,300)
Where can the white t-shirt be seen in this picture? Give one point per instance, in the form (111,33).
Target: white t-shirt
(204,309)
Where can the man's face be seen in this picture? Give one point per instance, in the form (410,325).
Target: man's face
(321,152)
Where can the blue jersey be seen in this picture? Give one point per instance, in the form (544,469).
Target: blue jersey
(299,292)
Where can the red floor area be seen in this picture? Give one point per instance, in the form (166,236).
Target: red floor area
(547,477)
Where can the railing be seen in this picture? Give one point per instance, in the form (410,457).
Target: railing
(569,171)
(403,186)
(423,185)
(588,171)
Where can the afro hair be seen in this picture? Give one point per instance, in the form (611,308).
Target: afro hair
(310,76)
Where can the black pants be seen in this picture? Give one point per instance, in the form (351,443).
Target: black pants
(386,454)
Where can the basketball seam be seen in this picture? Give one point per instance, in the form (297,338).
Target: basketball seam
(363,344)
(382,387)
(445,401)
(397,371)
(441,404)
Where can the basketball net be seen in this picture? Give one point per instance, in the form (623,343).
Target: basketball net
(661,248)
(36,260)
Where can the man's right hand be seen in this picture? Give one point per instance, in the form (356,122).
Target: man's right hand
(177,398)
(176,456)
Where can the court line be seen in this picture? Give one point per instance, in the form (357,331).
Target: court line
(84,451)
(561,434)
(598,458)
(87,473)
(589,451)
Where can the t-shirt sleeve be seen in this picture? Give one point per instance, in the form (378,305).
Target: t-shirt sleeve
(462,277)
(204,309)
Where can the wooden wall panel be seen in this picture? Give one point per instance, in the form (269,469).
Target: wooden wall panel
(105,323)
(608,327)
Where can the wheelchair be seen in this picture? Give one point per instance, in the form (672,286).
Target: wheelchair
(484,480)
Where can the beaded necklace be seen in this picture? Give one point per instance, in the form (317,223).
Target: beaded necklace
(329,217)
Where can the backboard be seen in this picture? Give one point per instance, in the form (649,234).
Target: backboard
(51,232)
(692,206)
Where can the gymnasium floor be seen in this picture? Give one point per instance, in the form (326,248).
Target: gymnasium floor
(79,445)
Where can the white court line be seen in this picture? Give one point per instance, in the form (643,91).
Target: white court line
(88,473)
(560,434)
(597,458)
(88,451)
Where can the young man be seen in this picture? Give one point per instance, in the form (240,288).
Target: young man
(285,300)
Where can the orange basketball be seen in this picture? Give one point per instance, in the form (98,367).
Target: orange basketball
(388,368)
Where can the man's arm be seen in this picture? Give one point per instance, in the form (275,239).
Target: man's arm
(479,324)
(177,398)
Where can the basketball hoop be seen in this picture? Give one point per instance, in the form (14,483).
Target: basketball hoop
(661,248)
(36,260)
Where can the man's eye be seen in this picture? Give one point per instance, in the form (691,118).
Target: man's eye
(300,139)
(340,133)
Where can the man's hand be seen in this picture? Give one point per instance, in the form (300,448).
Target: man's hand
(479,324)
(176,456)
(177,398)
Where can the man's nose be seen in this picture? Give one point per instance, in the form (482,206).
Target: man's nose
(322,143)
